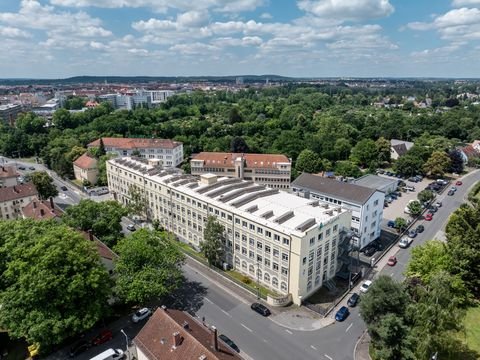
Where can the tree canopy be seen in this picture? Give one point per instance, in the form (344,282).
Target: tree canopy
(44,184)
(213,245)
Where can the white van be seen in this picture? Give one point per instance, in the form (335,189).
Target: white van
(109,354)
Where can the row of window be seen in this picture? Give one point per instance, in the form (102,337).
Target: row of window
(266,278)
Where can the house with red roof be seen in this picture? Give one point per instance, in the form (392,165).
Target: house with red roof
(14,198)
(85,168)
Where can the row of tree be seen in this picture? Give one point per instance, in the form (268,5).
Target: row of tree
(422,315)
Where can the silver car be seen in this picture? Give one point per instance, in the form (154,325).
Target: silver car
(141,314)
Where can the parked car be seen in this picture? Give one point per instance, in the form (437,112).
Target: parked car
(353,300)
(438,204)
(388,199)
(342,313)
(380,171)
(21,167)
(229,342)
(429,217)
(31,168)
(442,182)
(141,314)
(110,354)
(391,223)
(454,188)
(102,337)
(365,286)
(459,183)
(413,179)
(78,348)
(432,209)
(405,242)
(419,229)
(64,188)
(131,227)
(392,260)
(393,196)
(412,234)
(398,193)
(451,193)
(401,183)
(410,188)
(261,309)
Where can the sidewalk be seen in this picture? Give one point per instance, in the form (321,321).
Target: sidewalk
(361,351)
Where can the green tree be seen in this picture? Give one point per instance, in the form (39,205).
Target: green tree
(342,148)
(415,208)
(136,153)
(138,203)
(456,161)
(234,115)
(309,162)
(75,153)
(213,245)
(408,165)
(44,184)
(425,196)
(102,169)
(383,150)
(149,266)
(101,148)
(347,169)
(238,145)
(103,218)
(392,340)
(53,284)
(365,153)
(438,164)
(62,119)
(400,224)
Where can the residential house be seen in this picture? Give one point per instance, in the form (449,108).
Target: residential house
(14,198)
(399,148)
(169,152)
(365,204)
(175,335)
(8,176)
(469,155)
(41,210)
(85,169)
(272,170)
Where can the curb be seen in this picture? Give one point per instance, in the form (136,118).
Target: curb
(358,342)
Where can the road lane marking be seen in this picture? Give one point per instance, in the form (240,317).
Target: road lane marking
(392,274)
(288,331)
(208,300)
(328,357)
(226,313)
(313,347)
(349,326)
(247,328)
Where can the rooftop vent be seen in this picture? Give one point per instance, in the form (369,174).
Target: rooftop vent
(284,217)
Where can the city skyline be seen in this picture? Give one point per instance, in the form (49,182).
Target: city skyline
(304,38)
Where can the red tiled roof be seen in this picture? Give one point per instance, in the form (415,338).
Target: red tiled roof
(85,162)
(40,210)
(8,172)
(131,143)
(103,250)
(220,159)
(156,338)
(17,192)
(91,104)
(470,151)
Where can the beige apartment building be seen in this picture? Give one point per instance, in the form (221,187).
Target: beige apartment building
(272,170)
(85,169)
(14,198)
(287,243)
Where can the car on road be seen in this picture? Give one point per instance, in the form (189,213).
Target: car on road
(261,309)
(365,286)
(391,223)
(392,260)
(21,167)
(429,217)
(80,347)
(433,209)
(131,227)
(141,314)
(342,313)
(64,188)
(412,234)
(110,354)
(353,300)
(454,188)
(459,183)
(413,179)
(229,342)
(410,188)
(102,337)
(420,229)
(442,182)
(405,242)
(31,168)
(451,192)
(438,204)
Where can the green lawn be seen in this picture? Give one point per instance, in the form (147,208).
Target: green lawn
(472,328)
(252,284)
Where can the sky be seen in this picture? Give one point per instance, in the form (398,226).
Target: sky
(299,38)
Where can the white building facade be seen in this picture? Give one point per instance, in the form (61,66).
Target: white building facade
(365,204)
(288,244)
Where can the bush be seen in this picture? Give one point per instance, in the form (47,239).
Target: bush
(246,280)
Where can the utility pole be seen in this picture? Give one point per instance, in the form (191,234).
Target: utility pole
(126,340)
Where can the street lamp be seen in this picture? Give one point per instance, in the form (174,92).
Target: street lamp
(126,340)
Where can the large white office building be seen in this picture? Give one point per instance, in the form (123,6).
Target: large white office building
(287,243)
(365,204)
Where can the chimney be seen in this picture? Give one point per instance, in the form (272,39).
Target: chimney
(34,204)
(215,338)
(186,326)
(52,205)
(42,212)
(164,308)
(15,189)
(90,235)
(177,339)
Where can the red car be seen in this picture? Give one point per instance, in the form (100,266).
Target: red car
(429,217)
(392,260)
(458,183)
(103,337)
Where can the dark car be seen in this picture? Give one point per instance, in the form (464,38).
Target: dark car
(353,300)
(369,251)
(103,337)
(420,229)
(31,168)
(451,193)
(131,227)
(393,196)
(433,209)
(261,309)
(21,167)
(64,188)
(79,348)
(412,234)
(229,342)
(391,223)
(342,313)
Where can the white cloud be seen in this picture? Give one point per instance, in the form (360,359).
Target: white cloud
(345,10)
(266,16)
(193,18)
(11,32)
(194,49)
(458,3)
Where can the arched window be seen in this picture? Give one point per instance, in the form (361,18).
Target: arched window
(237,261)
(244,264)
(275,282)
(259,273)
(251,269)
(266,277)
(317,279)
(283,286)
